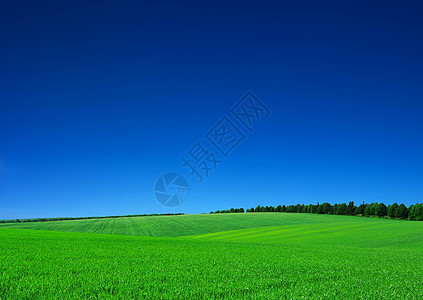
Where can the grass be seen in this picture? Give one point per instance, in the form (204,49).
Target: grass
(182,225)
(240,256)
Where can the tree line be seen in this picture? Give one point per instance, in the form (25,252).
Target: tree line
(394,211)
(232,210)
(82,218)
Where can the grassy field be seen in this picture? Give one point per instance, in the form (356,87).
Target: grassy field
(241,256)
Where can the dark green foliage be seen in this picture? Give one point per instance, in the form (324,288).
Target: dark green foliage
(233,211)
(401,212)
(413,213)
(392,210)
(297,208)
(370,210)
(416,212)
(290,209)
(381,210)
(361,209)
(324,208)
(342,209)
(350,208)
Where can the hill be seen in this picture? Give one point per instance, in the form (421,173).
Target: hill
(237,256)
(184,225)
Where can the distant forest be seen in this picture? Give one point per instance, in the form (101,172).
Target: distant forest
(394,211)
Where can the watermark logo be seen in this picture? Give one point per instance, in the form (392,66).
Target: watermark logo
(171,189)
(249,109)
(212,149)
(200,161)
(225,136)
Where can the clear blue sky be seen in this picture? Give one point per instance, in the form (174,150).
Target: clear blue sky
(98,100)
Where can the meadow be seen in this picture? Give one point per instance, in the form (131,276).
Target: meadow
(238,256)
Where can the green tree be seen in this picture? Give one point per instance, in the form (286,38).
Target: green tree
(328,209)
(402,212)
(392,209)
(342,209)
(290,209)
(335,208)
(320,209)
(350,208)
(361,209)
(416,212)
(371,209)
(381,210)
(297,208)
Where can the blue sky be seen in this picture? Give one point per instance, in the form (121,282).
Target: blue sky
(98,100)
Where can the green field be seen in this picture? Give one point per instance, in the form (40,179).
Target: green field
(241,256)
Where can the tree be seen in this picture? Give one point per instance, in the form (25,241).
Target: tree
(371,209)
(342,209)
(402,212)
(419,212)
(392,210)
(290,209)
(361,209)
(283,208)
(416,212)
(320,209)
(327,208)
(297,208)
(381,210)
(278,208)
(307,209)
(350,208)
(335,208)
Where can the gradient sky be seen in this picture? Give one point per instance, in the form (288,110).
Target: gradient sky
(99,100)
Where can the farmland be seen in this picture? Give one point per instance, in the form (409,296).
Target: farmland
(242,256)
